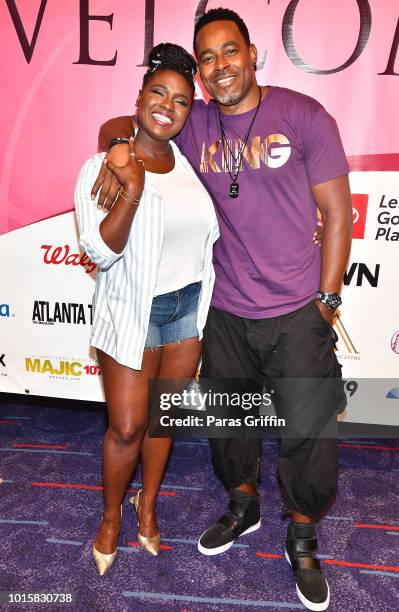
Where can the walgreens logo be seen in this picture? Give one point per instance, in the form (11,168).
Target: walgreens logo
(58,255)
(359,209)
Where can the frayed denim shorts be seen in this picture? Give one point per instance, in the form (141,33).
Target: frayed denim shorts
(173,316)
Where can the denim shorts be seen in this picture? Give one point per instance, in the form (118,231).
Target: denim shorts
(173,316)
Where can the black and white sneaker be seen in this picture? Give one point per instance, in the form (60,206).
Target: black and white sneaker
(242,517)
(311,586)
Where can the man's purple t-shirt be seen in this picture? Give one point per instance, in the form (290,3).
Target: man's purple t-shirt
(265,261)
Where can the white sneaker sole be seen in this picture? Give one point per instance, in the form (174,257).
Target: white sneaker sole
(310,605)
(221,549)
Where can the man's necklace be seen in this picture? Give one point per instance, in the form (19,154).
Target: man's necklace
(234,186)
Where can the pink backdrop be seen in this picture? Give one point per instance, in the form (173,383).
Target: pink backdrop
(52,106)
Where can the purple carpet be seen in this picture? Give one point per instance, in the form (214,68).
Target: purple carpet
(47,530)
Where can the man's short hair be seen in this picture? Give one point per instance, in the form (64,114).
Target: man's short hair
(221,14)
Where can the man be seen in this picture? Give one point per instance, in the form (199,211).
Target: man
(268,156)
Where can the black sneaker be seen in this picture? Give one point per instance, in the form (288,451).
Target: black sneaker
(243,516)
(311,586)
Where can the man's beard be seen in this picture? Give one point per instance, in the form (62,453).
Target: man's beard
(229,98)
(232,97)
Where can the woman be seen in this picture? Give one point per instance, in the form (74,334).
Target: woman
(155,278)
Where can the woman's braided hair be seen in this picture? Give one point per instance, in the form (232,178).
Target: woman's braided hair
(167,56)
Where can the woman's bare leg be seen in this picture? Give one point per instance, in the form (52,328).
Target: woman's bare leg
(178,360)
(126,392)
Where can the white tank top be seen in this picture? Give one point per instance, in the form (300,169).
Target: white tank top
(188,221)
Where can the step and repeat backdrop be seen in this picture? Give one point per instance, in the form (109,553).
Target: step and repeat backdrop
(67,67)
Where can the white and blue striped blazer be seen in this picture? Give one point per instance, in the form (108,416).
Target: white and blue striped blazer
(126,281)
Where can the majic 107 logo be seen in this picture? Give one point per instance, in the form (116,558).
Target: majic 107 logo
(61,368)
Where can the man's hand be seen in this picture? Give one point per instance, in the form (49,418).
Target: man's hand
(106,182)
(326,312)
(131,175)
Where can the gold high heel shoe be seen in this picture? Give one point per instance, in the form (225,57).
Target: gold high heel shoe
(149,544)
(103,561)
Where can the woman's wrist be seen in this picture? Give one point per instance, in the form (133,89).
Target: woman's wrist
(130,194)
(132,188)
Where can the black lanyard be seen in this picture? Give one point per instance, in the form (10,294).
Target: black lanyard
(234,186)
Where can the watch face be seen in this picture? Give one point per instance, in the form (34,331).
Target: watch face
(331,300)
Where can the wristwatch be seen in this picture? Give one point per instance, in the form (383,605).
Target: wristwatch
(331,300)
(116,141)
